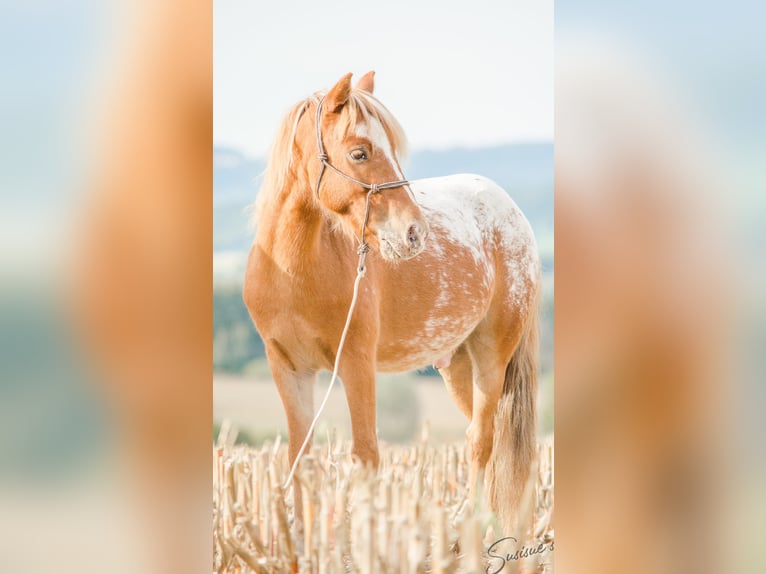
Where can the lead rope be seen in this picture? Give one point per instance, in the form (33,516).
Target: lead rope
(361,269)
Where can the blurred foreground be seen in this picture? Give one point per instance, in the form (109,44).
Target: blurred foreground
(650,297)
(107,286)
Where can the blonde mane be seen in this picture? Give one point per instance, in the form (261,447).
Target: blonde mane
(360,107)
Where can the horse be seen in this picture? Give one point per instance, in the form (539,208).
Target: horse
(452,279)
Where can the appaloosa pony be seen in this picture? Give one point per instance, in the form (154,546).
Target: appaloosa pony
(452,279)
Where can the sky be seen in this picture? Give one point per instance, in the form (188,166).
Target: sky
(455,73)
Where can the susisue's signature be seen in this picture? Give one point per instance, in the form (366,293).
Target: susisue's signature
(504,550)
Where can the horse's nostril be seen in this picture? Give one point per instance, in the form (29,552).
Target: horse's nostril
(413,235)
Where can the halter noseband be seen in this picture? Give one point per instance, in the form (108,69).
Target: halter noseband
(372,188)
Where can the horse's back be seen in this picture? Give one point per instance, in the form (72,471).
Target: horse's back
(471,203)
(473,210)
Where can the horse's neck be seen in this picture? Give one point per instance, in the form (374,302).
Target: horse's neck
(291,228)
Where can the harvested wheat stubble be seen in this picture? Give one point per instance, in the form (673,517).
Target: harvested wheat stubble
(412,516)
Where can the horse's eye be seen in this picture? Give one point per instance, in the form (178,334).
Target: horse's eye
(358,155)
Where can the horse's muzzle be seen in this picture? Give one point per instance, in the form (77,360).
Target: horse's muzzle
(402,246)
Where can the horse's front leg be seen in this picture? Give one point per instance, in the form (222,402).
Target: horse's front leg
(296,389)
(358,376)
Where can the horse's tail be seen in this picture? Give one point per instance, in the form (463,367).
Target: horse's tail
(515,444)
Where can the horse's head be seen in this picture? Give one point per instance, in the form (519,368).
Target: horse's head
(363,141)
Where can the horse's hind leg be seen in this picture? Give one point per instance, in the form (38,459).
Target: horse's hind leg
(490,356)
(458,376)
(488,388)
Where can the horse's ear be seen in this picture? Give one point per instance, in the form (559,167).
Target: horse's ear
(338,95)
(367,82)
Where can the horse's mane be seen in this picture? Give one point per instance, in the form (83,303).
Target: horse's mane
(360,106)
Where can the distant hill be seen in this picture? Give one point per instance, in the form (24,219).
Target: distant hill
(517,166)
(234,175)
(524,170)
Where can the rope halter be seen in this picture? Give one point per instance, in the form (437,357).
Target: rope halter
(372,188)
